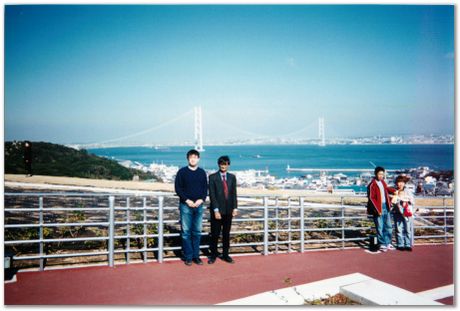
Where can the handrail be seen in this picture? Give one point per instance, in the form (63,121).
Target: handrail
(298,216)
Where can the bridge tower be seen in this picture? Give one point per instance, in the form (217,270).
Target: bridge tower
(322,138)
(198,129)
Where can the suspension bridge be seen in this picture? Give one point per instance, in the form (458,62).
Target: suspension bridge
(198,129)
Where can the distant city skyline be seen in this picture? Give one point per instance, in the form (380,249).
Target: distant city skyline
(370,140)
(84,74)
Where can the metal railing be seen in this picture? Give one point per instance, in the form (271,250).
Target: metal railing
(305,223)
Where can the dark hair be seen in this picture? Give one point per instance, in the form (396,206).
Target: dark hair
(223,160)
(378,169)
(192,152)
(402,178)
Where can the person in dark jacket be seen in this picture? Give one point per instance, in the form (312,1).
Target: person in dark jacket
(191,186)
(28,158)
(224,206)
(379,206)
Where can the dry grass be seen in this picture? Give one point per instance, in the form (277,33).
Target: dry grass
(337,299)
(157,186)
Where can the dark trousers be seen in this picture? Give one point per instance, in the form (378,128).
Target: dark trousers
(28,165)
(218,225)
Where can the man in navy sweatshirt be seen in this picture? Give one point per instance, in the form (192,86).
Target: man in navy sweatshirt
(191,186)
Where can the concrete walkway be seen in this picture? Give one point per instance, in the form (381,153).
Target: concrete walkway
(356,286)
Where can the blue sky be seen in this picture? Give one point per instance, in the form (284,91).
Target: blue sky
(93,73)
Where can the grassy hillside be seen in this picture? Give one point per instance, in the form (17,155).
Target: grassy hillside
(57,160)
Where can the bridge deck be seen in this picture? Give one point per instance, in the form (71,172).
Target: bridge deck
(172,282)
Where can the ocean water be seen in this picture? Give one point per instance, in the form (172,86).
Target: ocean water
(275,158)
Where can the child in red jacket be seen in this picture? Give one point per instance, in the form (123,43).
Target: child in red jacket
(379,206)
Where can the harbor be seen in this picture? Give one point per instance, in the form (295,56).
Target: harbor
(345,169)
(424,181)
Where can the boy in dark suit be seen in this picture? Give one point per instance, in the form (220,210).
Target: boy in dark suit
(224,206)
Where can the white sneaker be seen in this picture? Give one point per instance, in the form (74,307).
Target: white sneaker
(391,247)
(383,248)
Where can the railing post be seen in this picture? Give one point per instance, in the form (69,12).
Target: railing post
(265,226)
(40,234)
(302,225)
(145,228)
(412,233)
(128,230)
(343,222)
(289,225)
(445,220)
(160,229)
(111,229)
(277,225)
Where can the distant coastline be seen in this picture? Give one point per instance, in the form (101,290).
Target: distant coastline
(190,144)
(431,139)
(338,168)
(341,167)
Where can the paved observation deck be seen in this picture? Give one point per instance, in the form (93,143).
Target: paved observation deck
(172,283)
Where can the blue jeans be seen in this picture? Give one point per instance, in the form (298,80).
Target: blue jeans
(191,224)
(383,226)
(403,228)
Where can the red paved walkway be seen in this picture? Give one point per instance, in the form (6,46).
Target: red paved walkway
(172,282)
